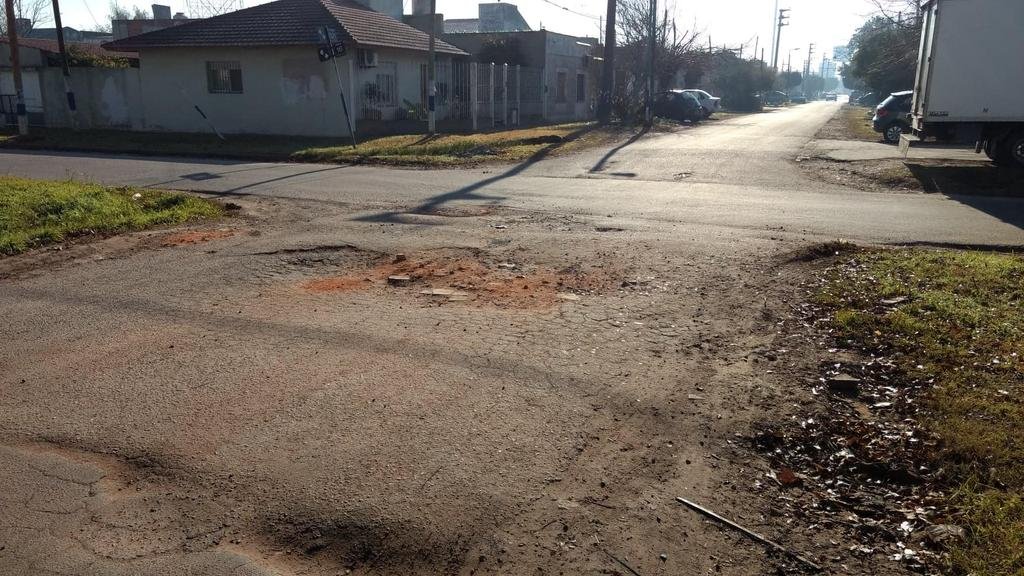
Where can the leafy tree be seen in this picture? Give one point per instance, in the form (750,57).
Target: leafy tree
(118,12)
(884,54)
(790,80)
(738,81)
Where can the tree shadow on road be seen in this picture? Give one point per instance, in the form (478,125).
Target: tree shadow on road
(472,191)
(600,165)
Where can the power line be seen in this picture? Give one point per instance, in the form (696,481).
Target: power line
(89,10)
(571,11)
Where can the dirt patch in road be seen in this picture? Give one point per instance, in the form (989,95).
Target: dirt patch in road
(931,176)
(467,276)
(190,237)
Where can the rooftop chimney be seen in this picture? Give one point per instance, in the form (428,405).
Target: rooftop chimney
(161,12)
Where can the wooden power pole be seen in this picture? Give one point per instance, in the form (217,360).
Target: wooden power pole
(604,107)
(432,71)
(65,65)
(19,89)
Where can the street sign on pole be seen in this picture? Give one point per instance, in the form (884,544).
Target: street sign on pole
(331,50)
(334,50)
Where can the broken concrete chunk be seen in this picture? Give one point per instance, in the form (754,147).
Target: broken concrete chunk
(568,296)
(844,384)
(399,280)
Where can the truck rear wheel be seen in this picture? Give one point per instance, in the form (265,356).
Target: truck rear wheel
(1008,150)
(1014,146)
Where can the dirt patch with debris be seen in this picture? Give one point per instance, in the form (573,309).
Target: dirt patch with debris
(466,276)
(863,453)
(980,178)
(190,237)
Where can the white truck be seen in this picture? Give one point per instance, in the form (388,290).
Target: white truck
(970,77)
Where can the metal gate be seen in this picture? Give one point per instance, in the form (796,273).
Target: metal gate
(380,93)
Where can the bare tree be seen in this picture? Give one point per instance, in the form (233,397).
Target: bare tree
(901,13)
(673,47)
(37,12)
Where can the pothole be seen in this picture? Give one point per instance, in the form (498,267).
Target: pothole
(468,276)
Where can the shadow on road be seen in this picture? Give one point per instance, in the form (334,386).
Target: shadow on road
(604,159)
(988,188)
(472,191)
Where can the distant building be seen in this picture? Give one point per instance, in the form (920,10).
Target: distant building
(841,53)
(70,35)
(133,27)
(492,17)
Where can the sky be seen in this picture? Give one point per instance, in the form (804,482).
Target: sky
(827,23)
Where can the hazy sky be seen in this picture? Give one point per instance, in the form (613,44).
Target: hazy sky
(733,22)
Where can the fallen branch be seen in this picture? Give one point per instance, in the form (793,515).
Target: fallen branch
(750,534)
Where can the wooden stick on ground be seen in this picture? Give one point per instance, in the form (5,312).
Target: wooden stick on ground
(749,534)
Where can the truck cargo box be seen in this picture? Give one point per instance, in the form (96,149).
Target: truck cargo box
(971,67)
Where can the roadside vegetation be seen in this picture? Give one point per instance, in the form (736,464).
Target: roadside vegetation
(850,123)
(39,212)
(952,323)
(410,150)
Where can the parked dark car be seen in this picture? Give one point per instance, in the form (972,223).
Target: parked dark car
(775,98)
(891,116)
(869,99)
(678,105)
(798,99)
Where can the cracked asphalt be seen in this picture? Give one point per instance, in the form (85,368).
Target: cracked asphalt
(199,409)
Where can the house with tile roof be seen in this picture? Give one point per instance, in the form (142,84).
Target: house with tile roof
(256,70)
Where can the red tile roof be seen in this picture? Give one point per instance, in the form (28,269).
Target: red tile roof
(288,23)
(51,46)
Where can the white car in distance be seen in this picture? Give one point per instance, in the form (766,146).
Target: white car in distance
(710,103)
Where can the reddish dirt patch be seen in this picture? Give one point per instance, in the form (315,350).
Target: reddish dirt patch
(338,284)
(472,279)
(196,237)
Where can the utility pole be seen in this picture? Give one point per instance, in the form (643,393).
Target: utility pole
(604,107)
(65,65)
(783,21)
(19,90)
(432,71)
(653,24)
(774,12)
(807,71)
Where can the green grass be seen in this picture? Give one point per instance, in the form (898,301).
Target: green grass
(411,150)
(37,212)
(963,325)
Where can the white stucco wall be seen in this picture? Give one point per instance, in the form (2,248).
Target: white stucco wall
(286,90)
(105,97)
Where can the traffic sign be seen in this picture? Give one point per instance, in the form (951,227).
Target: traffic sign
(335,50)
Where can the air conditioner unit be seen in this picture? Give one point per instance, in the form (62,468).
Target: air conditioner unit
(367,59)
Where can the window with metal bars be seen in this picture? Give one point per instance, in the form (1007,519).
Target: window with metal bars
(224,77)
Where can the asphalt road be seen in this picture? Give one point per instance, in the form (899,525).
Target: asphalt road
(260,400)
(737,173)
